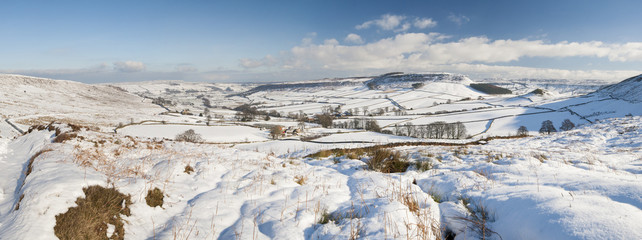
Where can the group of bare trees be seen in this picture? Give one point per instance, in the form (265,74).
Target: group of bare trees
(359,123)
(548,127)
(435,130)
(247,113)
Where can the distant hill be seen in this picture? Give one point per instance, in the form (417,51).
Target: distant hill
(629,90)
(398,79)
(305,85)
(32,100)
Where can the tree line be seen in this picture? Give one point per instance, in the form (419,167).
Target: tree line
(435,130)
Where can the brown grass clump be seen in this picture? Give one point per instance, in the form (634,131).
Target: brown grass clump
(540,157)
(423,166)
(387,161)
(342,151)
(300,179)
(188,169)
(65,137)
(154,198)
(326,153)
(89,220)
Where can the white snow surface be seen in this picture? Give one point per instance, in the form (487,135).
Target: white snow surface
(629,89)
(580,184)
(213,134)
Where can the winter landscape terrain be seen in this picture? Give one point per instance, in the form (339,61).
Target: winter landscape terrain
(395,156)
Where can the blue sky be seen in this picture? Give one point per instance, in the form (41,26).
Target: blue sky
(110,41)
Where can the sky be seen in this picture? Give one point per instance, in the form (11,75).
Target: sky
(257,41)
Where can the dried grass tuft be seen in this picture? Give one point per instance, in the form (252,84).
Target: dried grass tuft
(90,218)
(154,198)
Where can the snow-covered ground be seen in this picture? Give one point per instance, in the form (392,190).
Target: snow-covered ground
(211,134)
(580,184)
(577,184)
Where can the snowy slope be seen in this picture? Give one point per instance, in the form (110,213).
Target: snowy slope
(581,184)
(628,90)
(31,100)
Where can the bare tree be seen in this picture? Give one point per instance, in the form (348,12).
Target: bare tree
(410,129)
(327,109)
(522,131)
(547,127)
(461,130)
(567,125)
(371,125)
(325,120)
(189,136)
(276,132)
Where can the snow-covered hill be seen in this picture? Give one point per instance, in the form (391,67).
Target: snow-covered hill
(30,100)
(629,90)
(402,80)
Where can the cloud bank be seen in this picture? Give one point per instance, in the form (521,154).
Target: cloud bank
(438,52)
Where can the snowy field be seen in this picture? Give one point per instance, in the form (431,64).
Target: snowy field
(527,191)
(242,184)
(211,134)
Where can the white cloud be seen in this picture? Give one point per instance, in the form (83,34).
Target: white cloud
(267,61)
(331,42)
(397,23)
(129,66)
(626,52)
(423,23)
(433,52)
(409,48)
(404,27)
(353,38)
(458,19)
(309,38)
(386,22)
